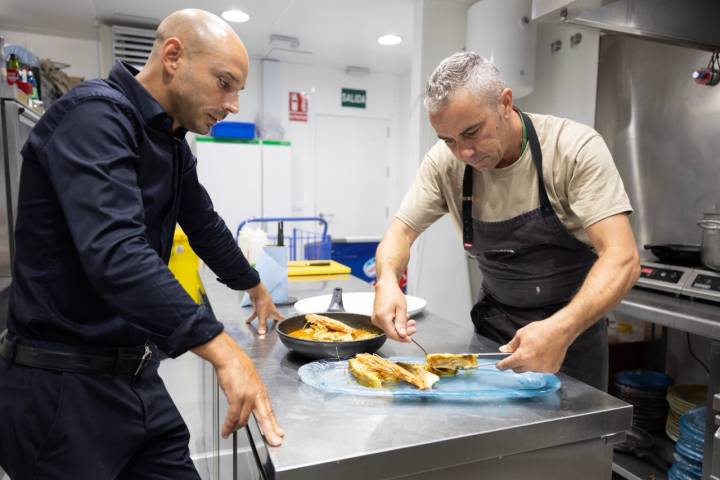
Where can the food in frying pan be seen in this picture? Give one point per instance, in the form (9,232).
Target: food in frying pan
(326,329)
(374,371)
(329,323)
(445,364)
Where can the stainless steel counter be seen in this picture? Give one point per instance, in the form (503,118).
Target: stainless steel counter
(349,437)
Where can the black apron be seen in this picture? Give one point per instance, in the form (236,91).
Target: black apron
(532,267)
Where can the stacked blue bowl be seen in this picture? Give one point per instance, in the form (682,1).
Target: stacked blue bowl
(689,447)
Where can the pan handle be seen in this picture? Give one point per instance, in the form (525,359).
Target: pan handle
(336,303)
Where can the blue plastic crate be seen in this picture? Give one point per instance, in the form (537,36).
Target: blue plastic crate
(227,129)
(320,249)
(358,255)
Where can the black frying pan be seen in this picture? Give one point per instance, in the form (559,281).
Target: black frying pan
(315,349)
(677,253)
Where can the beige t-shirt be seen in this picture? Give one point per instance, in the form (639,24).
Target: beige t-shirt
(582,182)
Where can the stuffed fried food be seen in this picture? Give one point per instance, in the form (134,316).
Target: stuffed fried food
(325,329)
(422,372)
(374,371)
(446,364)
(328,323)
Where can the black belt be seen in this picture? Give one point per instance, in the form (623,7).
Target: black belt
(122,362)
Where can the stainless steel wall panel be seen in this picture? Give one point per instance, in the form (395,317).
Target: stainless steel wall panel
(664,133)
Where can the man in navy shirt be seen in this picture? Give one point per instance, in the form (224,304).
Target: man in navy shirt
(106,176)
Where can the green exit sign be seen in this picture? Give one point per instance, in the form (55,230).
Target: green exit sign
(354,98)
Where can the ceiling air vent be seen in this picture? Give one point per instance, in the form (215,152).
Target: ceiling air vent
(132,45)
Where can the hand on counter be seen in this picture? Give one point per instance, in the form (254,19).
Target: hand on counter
(390,311)
(264,308)
(537,347)
(243,387)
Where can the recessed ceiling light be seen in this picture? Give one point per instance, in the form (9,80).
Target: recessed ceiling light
(235,15)
(390,39)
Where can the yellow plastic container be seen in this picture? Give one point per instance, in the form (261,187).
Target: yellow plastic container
(185,265)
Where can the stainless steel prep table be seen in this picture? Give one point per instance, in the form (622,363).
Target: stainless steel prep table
(568,434)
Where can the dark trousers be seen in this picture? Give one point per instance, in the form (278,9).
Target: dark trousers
(60,425)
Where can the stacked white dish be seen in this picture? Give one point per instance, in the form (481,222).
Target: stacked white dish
(682,398)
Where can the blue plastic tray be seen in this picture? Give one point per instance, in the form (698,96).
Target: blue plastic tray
(227,129)
(484,383)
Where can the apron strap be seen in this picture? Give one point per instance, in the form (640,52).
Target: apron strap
(536,152)
(467,188)
(467,185)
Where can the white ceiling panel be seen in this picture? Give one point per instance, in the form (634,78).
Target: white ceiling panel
(74,18)
(336,32)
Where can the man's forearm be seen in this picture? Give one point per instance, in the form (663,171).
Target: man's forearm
(393,253)
(221,351)
(391,262)
(608,281)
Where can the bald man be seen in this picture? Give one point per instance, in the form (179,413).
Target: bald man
(106,176)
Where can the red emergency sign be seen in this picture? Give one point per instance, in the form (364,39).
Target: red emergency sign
(297,107)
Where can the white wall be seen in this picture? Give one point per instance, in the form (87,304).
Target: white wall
(80,53)
(565,81)
(323,87)
(404,163)
(438,269)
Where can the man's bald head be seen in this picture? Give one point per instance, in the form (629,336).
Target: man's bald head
(197,67)
(198,30)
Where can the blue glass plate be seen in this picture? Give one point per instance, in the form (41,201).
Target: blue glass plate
(645,380)
(486,382)
(692,434)
(687,465)
(675,473)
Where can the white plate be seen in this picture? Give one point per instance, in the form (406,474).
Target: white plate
(354,302)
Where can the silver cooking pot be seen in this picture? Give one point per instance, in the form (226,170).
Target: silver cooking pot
(710,249)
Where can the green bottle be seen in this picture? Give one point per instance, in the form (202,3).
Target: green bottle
(13,69)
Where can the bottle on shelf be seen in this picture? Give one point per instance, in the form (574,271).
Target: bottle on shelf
(3,66)
(23,82)
(13,69)
(33,81)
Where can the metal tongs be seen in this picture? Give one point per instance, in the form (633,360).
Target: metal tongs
(419,346)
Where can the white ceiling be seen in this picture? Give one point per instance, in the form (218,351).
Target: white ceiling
(337,32)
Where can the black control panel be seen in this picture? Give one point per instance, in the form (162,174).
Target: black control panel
(707,282)
(661,274)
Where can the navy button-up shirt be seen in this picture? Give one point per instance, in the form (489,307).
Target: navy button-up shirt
(103,183)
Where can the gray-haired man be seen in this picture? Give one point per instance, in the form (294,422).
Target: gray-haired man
(539,202)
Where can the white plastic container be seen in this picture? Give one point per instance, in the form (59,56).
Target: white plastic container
(502,32)
(251,242)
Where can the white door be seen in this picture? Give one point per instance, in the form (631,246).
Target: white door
(351,174)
